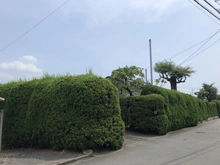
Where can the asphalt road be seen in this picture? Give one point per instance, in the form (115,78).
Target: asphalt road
(190,146)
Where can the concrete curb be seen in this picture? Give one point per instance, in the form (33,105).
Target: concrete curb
(73,159)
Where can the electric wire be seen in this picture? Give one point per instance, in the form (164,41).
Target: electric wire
(193,47)
(33,27)
(203,50)
(187,59)
(189,48)
(204,13)
(208,38)
(212,6)
(210,12)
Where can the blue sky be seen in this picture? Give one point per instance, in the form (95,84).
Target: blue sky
(104,35)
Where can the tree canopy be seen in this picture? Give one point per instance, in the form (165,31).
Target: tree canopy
(128,79)
(208,92)
(173,73)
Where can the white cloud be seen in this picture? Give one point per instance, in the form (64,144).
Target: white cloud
(29,59)
(19,66)
(19,69)
(107,11)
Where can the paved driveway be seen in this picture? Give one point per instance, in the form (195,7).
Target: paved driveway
(190,146)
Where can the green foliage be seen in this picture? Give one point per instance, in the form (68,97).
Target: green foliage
(169,68)
(90,71)
(208,92)
(62,112)
(182,110)
(217,102)
(40,107)
(128,79)
(165,67)
(173,73)
(145,114)
(160,82)
(15,110)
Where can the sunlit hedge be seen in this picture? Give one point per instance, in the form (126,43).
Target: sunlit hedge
(183,110)
(145,114)
(175,110)
(63,112)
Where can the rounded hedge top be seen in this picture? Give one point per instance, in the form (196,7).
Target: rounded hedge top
(64,112)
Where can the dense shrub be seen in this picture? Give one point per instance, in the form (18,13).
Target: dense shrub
(124,104)
(217,102)
(4,92)
(145,113)
(15,110)
(38,112)
(180,110)
(63,112)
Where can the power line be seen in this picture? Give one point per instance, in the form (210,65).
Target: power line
(189,48)
(187,59)
(200,41)
(204,13)
(37,24)
(204,50)
(193,47)
(198,53)
(212,6)
(207,10)
(191,56)
(208,38)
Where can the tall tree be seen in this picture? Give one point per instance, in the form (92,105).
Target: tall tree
(208,92)
(173,73)
(127,78)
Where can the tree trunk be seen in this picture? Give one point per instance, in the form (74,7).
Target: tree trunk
(173,83)
(121,91)
(129,91)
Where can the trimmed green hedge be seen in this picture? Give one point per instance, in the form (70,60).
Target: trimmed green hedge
(15,110)
(217,102)
(145,113)
(176,110)
(4,92)
(64,112)
(39,109)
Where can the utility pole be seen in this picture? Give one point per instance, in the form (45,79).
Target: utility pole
(151,66)
(1,123)
(146,75)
